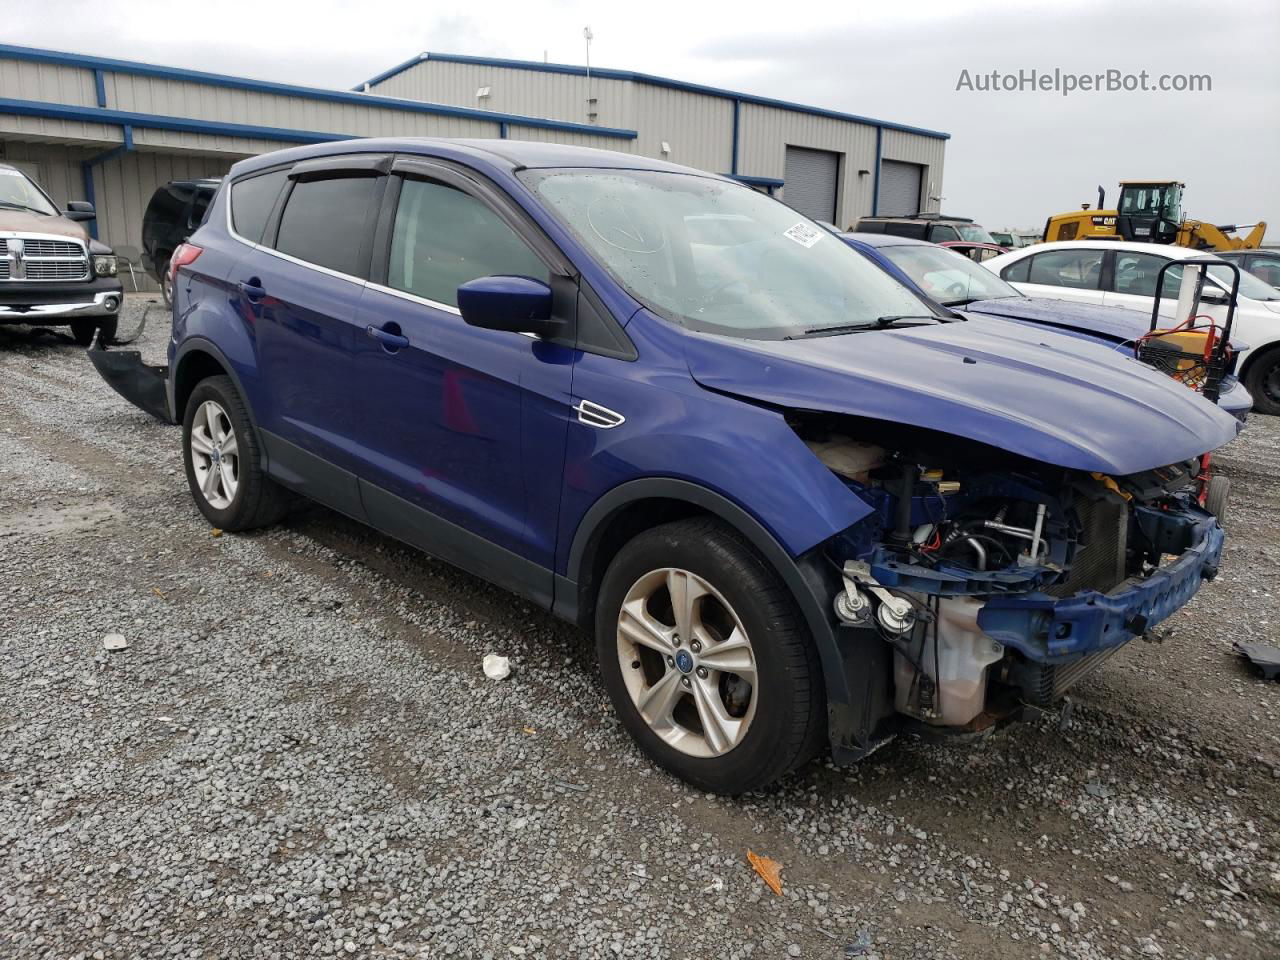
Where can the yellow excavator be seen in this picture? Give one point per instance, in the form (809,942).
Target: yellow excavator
(1149,211)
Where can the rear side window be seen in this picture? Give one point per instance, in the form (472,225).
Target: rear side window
(940,233)
(168,203)
(200,207)
(870,226)
(1078,269)
(1018,272)
(324,220)
(251,203)
(899,229)
(444,237)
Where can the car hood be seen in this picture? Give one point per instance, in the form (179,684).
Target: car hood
(1116,323)
(21,221)
(1042,395)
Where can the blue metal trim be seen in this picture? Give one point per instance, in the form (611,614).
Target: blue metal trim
(388,74)
(86,170)
(655,81)
(100,86)
(875,181)
(771,182)
(737,120)
(291,90)
(148,121)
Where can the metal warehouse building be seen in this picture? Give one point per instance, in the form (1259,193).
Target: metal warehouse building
(112,131)
(829,165)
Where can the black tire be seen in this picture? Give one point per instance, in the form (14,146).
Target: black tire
(83,331)
(1263,383)
(1216,497)
(258,501)
(107,331)
(789,723)
(166,284)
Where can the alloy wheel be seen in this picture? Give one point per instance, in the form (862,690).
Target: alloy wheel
(687,662)
(215,455)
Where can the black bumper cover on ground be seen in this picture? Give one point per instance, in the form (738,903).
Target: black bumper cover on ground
(141,384)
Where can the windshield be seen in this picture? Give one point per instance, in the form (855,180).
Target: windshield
(720,257)
(1152,200)
(973,233)
(1250,286)
(949,277)
(17,191)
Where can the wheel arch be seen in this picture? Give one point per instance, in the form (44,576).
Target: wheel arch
(1266,350)
(636,505)
(198,359)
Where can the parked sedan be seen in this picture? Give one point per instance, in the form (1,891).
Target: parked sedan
(1119,273)
(1263,264)
(957,282)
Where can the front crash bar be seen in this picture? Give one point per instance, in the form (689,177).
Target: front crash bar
(1048,630)
(141,384)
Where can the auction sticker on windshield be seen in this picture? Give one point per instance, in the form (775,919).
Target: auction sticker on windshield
(803,234)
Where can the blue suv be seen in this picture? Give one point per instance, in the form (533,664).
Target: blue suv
(800,506)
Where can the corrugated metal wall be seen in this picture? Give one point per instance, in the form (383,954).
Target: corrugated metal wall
(698,128)
(767,131)
(524,92)
(57,167)
(926,151)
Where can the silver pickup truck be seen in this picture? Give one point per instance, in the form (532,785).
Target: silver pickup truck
(52,273)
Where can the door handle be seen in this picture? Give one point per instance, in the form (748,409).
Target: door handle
(252,291)
(390,339)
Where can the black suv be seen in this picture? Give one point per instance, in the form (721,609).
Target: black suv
(173,214)
(930,227)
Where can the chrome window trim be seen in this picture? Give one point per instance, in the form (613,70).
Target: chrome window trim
(359,281)
(414,298)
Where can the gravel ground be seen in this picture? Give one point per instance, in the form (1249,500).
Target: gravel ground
(299,756)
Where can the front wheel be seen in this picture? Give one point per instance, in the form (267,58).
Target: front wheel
(1216,497)
(1263,383)
(706,658)
(224,461)
(83,331)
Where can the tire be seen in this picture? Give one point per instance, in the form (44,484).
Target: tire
(107,331)
(1263,383)
(166,285)
(766,728)
(239,495)
(83,331)
(1215,499)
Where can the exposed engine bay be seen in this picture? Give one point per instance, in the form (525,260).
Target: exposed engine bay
(1000,581)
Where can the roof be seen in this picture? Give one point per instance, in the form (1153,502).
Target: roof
(100,114)
(649,80)
(1170,251)
(505,154)
(887,240)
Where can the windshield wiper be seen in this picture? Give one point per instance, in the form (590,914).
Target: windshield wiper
(878,324)
(21,206)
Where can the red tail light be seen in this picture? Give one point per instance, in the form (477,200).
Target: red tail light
(185,254)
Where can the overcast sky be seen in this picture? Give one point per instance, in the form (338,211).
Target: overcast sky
(1013,157)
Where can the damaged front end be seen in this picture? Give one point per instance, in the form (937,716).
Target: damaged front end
(999,582)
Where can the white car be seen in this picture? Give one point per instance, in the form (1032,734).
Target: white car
(1123,274)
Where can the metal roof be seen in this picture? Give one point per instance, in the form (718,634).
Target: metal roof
(651,80)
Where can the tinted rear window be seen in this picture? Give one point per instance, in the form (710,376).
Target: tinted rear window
(324,220)
(251,203)
(168,203)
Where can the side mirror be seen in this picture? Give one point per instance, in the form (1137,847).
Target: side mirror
(513,304)
(79,210)
(1214,296)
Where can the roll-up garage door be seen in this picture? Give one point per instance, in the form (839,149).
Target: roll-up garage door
(810,182)
(899,189)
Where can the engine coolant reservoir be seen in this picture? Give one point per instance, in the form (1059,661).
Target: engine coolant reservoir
(960,673)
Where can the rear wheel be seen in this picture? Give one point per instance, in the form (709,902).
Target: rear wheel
(706,658)
(1263,383)
(1215,498)
(224,460)
(166,284)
